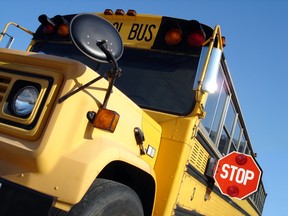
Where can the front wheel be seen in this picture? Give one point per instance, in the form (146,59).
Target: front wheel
(106,197)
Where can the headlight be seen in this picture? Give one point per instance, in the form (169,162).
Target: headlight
(24,101)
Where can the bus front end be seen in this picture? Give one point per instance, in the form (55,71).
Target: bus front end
(85,131)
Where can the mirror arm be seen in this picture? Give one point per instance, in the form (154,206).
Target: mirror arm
(115,72)
(102,44)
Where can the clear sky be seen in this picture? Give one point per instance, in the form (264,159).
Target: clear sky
(256,53)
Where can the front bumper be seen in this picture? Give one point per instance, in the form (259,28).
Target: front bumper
(17,200)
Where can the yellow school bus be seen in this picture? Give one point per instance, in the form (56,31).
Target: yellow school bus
(118,113)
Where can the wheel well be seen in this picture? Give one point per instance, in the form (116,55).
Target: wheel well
(141,182)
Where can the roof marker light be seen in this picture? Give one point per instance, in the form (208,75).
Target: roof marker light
(108,12)
(119,12)
(131,12)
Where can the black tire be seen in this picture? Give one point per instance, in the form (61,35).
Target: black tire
(106,198)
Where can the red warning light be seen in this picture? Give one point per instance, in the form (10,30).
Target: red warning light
(48,30)
(196,38)
(49,25)
(233,191)
(241,159)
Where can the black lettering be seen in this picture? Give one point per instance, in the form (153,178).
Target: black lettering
(141,32)
(133,32)
(150,32)
(118,26)
(139,36)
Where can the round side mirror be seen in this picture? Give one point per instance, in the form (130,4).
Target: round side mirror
(87,30)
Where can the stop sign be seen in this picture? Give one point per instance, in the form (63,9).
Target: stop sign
(237,175)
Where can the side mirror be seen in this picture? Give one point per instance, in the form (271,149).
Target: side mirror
(99,40)
(210,79)
(88,30)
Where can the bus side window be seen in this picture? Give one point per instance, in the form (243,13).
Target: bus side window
(214,108)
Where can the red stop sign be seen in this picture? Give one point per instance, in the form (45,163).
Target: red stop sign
(237,175)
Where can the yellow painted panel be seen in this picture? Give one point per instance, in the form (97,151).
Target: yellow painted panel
(137,31)
(191,197)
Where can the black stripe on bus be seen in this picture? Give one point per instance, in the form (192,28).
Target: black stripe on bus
(179,211)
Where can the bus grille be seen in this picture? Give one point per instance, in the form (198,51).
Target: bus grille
(4,83)
(199,157)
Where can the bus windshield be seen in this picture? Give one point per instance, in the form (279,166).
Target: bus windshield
(159,81)
(156,80)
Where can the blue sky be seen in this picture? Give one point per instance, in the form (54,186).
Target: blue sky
(256,52)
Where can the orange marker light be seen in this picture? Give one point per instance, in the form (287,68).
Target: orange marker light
(106,119)
(173,36)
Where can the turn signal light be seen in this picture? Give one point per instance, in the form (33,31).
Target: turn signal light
(173,36)
(104,119)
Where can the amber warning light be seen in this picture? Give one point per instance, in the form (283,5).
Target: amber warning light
(58,25)
(194,39)
(191,34)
